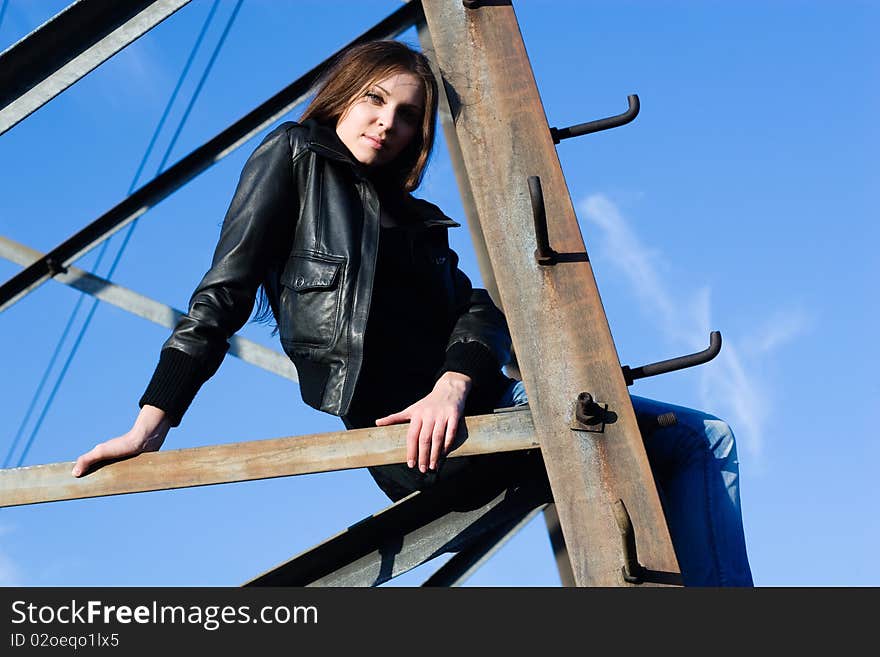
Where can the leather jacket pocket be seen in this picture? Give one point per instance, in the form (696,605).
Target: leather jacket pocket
(310,299)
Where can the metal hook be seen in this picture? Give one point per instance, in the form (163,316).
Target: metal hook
(543,254)
(633,571)
(673,364)
(559,134)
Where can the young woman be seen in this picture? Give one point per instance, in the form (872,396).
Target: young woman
(381,324)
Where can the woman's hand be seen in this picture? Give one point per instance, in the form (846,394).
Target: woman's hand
(147,435)
(433,420)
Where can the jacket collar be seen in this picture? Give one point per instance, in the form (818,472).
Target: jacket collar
(323,140)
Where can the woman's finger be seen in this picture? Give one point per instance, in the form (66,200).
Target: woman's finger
(394,418)
(111,449)
(412,441)
(425,436)
(437,442)
(451,431)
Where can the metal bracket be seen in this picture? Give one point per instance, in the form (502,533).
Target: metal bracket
(589,415)
(543,254)
(633,571)
(55,267)
(664,366)
(558,134)
(649,422)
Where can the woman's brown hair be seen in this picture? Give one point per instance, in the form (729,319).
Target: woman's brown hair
(358,68)
(347,79)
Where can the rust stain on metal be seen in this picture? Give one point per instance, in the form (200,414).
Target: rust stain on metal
(555,313)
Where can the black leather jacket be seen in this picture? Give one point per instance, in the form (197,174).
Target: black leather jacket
(304,222)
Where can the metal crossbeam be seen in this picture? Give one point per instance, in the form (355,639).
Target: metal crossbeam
(252,460)
(418,528)
(554,312)
(465,563)
(187,168)
(158,313)
(67,47)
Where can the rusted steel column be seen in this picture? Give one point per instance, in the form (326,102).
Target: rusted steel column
(485,264)
(560,332)
(464,185)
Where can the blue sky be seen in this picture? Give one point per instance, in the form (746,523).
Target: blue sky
(738,200)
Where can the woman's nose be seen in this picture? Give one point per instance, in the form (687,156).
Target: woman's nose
(386,118)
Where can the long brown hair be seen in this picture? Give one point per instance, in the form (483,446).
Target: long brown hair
(347,78)
(358,68)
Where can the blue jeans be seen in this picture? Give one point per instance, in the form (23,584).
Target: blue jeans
(697,475)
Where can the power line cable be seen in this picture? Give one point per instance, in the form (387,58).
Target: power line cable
(130,231)
(82,297)
(128,235)
(3,11)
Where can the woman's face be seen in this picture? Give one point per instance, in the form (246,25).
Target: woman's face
(382,121)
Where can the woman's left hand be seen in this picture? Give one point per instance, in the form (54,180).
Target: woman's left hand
(433,420)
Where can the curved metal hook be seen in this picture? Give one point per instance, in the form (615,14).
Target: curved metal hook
(543,254)
(673,364)
(632,112)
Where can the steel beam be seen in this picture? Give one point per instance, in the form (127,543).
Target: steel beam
(554,312)
(414,530)
(187,168)
(467,561)
(67,47)
(485,264)
(252,460)
(158,313)
(464,183)
(557,543)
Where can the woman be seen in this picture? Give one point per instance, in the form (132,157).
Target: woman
(382,325)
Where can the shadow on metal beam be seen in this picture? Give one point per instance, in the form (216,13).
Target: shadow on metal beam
(447,517)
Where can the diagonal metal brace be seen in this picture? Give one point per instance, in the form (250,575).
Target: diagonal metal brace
(418,528)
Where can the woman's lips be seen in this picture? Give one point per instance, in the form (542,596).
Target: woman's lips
(375,143)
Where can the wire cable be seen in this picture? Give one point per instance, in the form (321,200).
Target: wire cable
(82,297)
(95,303)
(3,11)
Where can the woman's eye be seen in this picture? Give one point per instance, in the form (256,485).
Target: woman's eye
(376,99)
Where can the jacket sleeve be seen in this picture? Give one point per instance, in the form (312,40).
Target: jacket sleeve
(479,344)
(259,221)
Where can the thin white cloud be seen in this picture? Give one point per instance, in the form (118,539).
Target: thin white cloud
(685,318)
(633,258)
(780,329)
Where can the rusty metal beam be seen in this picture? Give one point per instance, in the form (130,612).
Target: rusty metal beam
(67,47)
(418,528)
(554,312)
(259,459)
(464,184)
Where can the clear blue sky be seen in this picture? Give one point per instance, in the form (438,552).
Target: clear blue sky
(738,200)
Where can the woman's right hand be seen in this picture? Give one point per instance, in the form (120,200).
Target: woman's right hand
(147,435)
